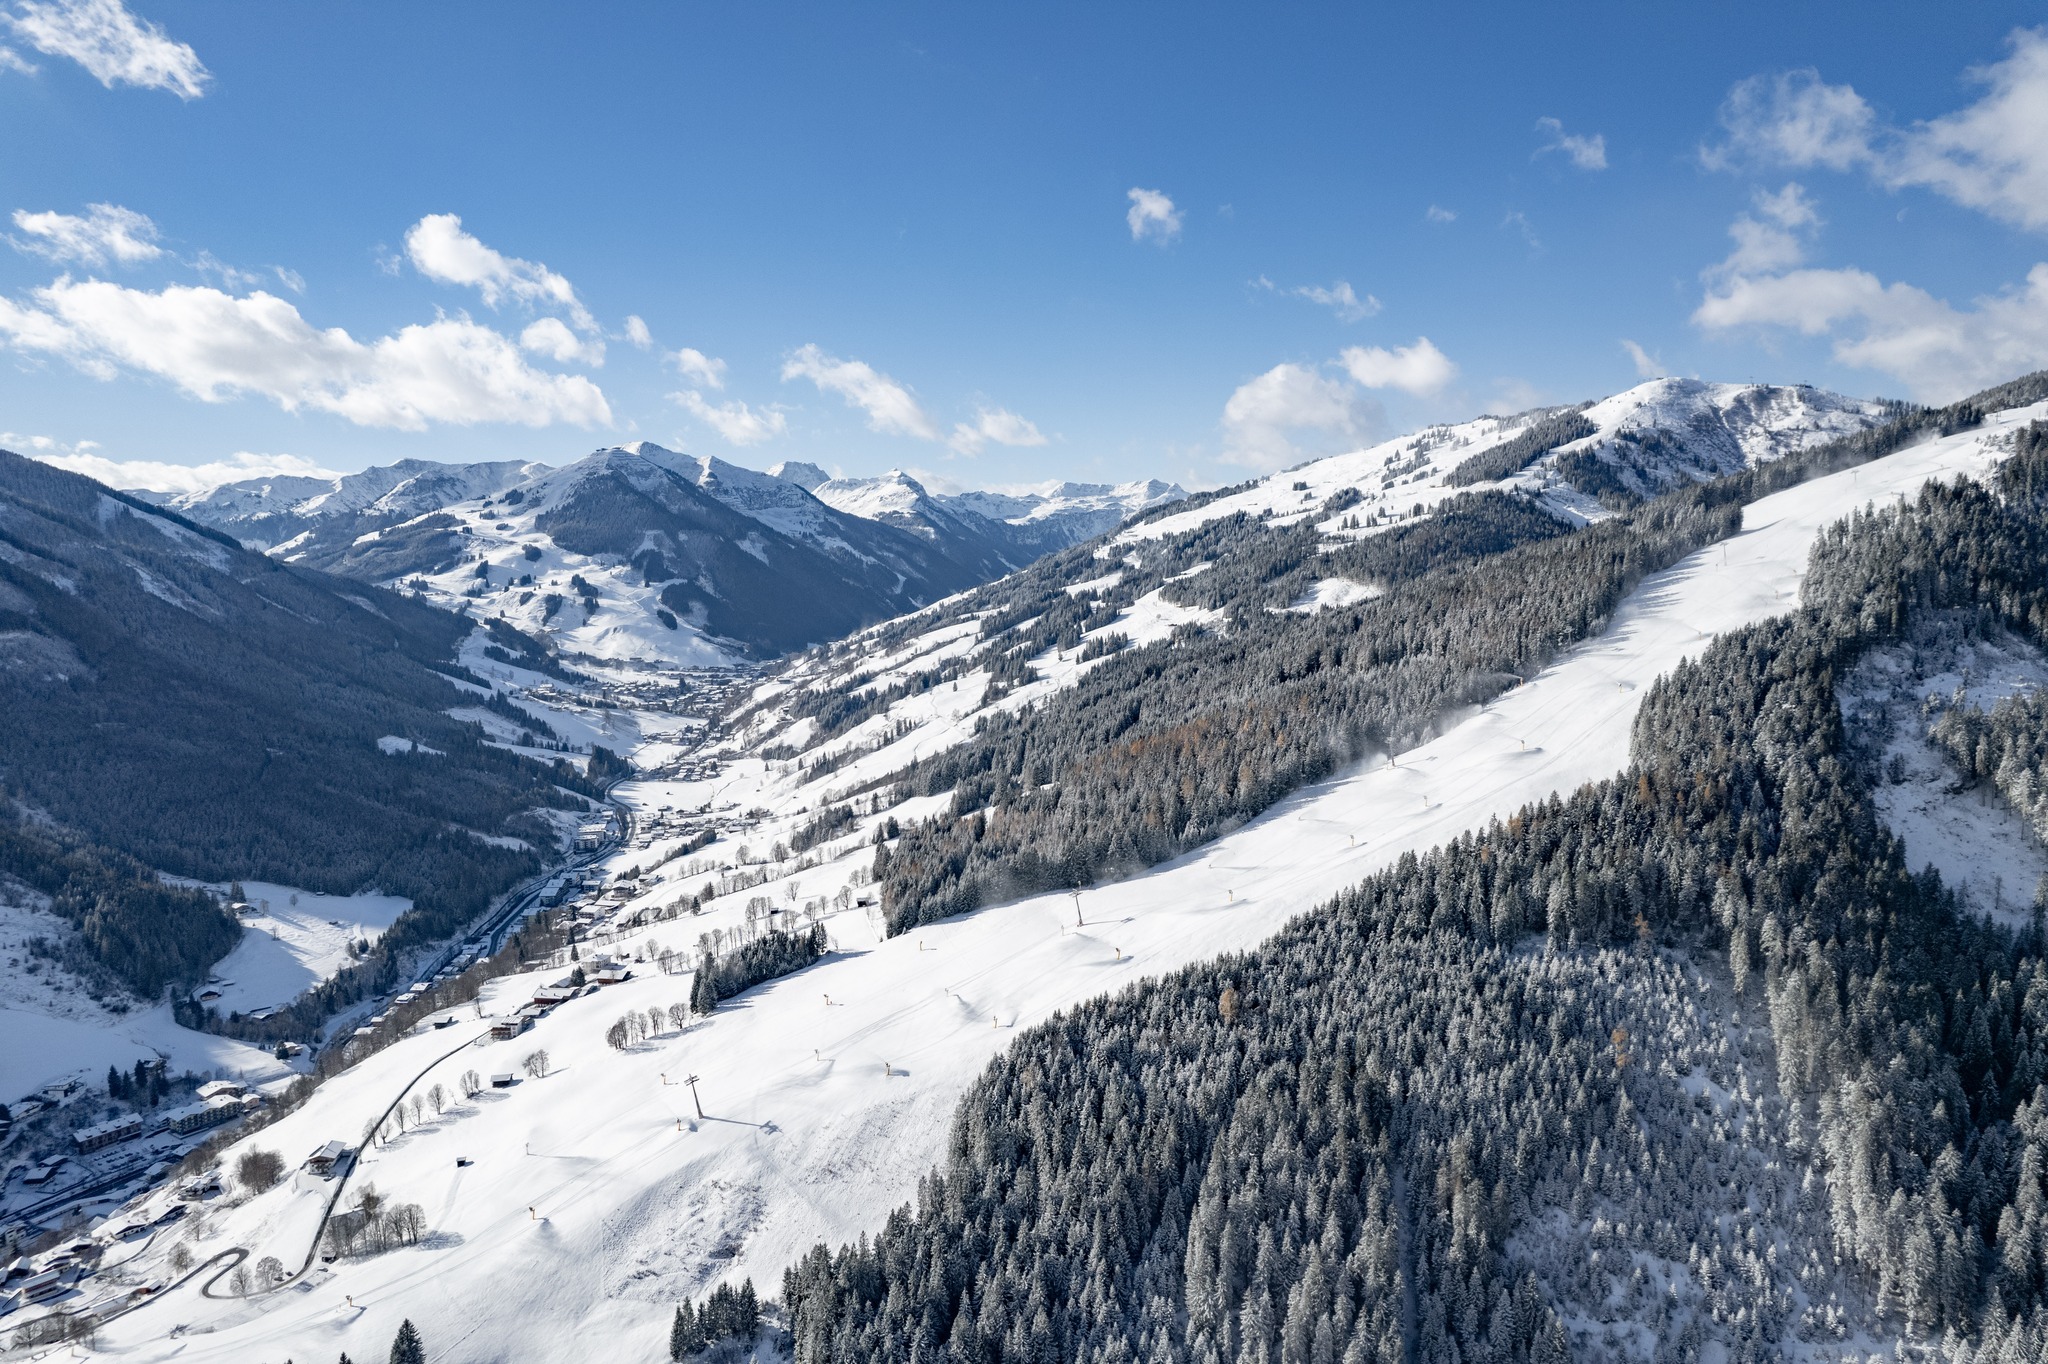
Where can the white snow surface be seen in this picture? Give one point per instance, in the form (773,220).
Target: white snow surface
(1966,831)
(52,1030)
(596,1199)
(294,940)
(1729,425)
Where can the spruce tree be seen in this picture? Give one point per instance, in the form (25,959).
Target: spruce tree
(686,1336)
(406,1347)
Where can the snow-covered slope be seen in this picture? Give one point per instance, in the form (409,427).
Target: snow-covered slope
(268,511)
(595,1197)
(1073,511)
(1650,437)
(837,554)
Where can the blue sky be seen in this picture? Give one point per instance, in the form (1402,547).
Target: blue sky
(995,246)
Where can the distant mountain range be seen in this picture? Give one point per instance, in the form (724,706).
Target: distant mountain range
(641,552)
(177,699)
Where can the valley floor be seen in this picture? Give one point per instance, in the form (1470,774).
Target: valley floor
(596,1198)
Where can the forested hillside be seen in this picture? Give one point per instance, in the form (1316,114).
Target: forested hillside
(214,714)
(1160,749)
(1350,1143)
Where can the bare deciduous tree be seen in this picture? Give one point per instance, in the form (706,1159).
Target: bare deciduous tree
(259,1170)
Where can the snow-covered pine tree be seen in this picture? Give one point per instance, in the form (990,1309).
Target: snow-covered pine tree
(406,1346)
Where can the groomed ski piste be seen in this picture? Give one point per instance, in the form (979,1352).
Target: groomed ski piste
(592,1198)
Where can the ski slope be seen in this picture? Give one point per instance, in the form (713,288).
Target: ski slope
(596,1199)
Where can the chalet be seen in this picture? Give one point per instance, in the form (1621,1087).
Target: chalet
(45,1172)
(221,1089)
(505,1029)
(47,1284)
(328,1160)
(107,1133)
(548,996)
(170,1214)
(197,1117)
(612,975)
(503,1080)
(207,1186)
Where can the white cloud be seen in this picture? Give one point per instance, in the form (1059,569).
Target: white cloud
(441,250)
(1775,239)
(550,336)
(1990,156)
(158,477)
(109,42)
(1339,299)
(890,407)
(1587,153)
(1647,365)
(1939,352)
(215,345)
(994,424)
(1419,369)
(1437,213)
(1152,215)
(1261,417)
(1519,220)
(701,369)
(637,333)
(10,60)
(107,233)
(736,422)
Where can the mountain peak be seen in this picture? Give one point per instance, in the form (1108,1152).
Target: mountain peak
(805,475)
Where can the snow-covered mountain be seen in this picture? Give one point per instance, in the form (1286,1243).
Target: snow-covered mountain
(1037,520)
(701,561)
(1071,512)
(1702,1204)
(1641,441)
(264,512)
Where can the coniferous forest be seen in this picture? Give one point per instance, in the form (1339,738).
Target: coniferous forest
(179,704)
(1476,1094)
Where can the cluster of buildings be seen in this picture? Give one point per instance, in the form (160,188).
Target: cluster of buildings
(215,1102)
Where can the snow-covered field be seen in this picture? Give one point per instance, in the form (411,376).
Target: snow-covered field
(51,1030)
(293,941)
(1979,843)
(596,1198)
